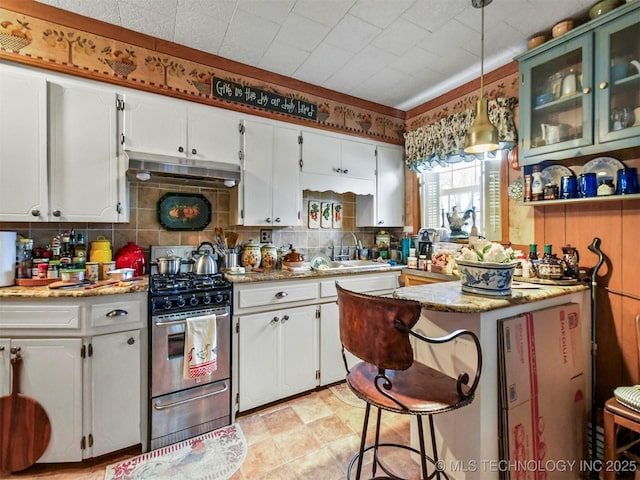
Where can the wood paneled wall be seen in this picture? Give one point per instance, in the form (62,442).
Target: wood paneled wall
(617,225)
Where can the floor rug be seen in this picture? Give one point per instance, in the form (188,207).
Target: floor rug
(213,456)
(344,393)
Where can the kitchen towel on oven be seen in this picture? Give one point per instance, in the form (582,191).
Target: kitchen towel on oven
(200,347)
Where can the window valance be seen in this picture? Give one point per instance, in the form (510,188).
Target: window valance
(442,142)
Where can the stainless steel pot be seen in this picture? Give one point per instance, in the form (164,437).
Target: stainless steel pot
(168,265)
(206,263)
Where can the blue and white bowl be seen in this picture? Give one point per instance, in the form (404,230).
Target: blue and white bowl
(486,278)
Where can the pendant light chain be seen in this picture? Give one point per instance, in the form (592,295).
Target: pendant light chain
(482,53)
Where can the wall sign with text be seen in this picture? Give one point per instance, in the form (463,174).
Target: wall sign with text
(262,99)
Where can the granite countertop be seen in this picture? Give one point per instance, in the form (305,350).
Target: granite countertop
(448,296)
(268,275)
(46,292)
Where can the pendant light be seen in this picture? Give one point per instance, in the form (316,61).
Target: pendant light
(482,137)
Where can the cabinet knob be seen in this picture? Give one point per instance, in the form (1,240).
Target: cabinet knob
(285,318)
(131,341)
(181,149)
(193,151)
(275,320)
(337,170)
(345,171)
(281,294)
(268,219)
(35,212)
(1,348)
(56,213)
(15,350)
(277,220)
(603,85)
(586,90)
(117,313)
(381,222)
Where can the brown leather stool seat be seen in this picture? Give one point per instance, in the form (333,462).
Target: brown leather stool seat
(377,330)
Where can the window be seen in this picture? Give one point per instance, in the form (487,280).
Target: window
(473,188)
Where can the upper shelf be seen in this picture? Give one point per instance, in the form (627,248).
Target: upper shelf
(602,198)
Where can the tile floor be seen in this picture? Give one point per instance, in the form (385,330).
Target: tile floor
(310,437)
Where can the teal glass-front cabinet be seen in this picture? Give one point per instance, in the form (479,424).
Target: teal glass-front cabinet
(580,93)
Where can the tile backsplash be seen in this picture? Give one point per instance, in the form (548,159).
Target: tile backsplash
(145,229)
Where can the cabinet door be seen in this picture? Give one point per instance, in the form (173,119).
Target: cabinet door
(259,354)
(115,391)
(556,99)
(5,367)
(321,154)
(618,80)
(390,187)
(299,351)
(258,174)
(23,147)
(51,373)
(83,154)
(358,160)
(153,124)
(286,191)
(213,135)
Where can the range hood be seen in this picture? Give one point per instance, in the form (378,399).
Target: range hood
(145,167)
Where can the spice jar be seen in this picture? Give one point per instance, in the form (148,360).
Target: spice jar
(412,262)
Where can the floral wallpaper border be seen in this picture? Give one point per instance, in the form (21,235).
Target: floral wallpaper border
(50,44)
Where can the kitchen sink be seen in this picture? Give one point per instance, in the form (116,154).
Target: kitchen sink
(356,265)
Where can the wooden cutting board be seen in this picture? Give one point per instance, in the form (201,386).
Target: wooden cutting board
(25,429)
(63,284)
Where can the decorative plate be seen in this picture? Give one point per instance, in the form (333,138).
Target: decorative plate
(553,174)
(603,167)
(320,259)
(184,211)
(516,189)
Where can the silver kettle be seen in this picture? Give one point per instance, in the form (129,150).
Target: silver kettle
(205,262)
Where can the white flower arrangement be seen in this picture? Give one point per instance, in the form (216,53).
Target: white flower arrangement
(491,252)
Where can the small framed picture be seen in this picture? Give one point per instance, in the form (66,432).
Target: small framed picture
(314,214)
(337,215)
(325,215)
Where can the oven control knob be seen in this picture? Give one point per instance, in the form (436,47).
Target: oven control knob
(167,304)
(193,301)
(219,298)
(206,299)
(181,301)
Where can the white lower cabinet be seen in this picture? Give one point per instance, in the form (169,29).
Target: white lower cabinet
(50,373)
(287,337)
(278,355)
(84,364)
(115,388)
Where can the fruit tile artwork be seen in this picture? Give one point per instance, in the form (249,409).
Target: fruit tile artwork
(314,214)
(337,215)
(326,214)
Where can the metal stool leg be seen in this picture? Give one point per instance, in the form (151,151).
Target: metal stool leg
(362,442)
(423,452)
(376,444)
(435,447)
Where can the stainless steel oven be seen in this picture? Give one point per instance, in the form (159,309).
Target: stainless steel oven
(181,408)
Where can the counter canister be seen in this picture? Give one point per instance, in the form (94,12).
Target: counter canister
(100,250)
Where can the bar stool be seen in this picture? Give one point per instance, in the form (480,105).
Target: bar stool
(377,330)
(617,415)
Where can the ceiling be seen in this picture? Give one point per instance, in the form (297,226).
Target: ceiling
(399,53)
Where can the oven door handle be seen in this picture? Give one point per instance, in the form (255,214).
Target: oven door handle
(180,322)
(187,400)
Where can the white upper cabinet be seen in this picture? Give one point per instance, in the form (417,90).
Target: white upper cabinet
(386,208)
(165,126)
(23,146)
(85,181)
(270,188)
(330,162)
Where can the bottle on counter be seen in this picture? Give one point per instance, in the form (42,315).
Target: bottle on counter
(66,254)
(80,253)
(422,262)
(532,260)
(412,262)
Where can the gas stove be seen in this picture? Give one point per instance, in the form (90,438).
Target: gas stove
(187,282)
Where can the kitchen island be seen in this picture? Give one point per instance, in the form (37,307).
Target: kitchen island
(469,439)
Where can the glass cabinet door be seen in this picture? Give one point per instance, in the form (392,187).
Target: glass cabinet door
(618,79)
(557,94)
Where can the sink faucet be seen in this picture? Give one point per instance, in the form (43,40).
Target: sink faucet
(342,255)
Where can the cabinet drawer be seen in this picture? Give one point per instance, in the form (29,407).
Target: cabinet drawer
(32,315)
(114,313)
(359,284)
(277,294)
